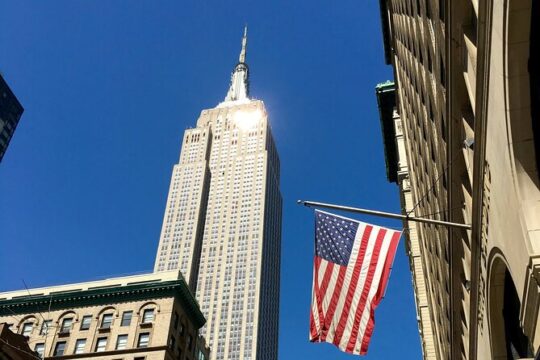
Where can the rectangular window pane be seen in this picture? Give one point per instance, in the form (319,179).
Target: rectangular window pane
(27,329)
(101,344)
(126,318)
(66,325)
(79,346)
(107,321)
(59,348)
(40,348)
(144,339)
(121,342)
(148,315)
(45,326)
(175,321)
(86,321)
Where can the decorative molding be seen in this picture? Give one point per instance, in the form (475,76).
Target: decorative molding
(105,296)
(482,280)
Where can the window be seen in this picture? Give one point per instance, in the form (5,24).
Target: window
(79,346)
(59,348)
(144,339)
(101,344)
(86,321)
(27,328)
(126,318)
(182,329)
(121,342)
(45,326)
(148,315)
(106,321)
(40,349)
(140,358)
(175,321)
(201,356)
(66,325)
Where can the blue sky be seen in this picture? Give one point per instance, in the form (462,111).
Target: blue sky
(108,89)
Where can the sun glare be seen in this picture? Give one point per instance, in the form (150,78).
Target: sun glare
(246,120)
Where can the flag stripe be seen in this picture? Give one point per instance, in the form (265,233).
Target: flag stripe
(380,291)
(312,326)
(328,295)
(365,284)
(314,313)
(317,293)
(364,253)
(368,288)
(366,317)
(333,301)
(326,279)
(365,279)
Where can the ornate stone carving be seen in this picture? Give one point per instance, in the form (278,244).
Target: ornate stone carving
(484,235)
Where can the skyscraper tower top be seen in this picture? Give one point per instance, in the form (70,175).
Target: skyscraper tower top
(239,89)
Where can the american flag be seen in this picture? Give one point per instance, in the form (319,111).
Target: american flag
(352,265)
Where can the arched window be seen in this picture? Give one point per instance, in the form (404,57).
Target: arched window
(106,320)
(507,338)
(148,315)
(147,312)
(66,321)
(26,325)
(106,316)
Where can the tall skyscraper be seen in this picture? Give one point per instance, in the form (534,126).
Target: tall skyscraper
(222,223)
(10,113)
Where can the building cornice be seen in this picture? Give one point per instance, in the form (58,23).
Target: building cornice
(106,295)
(386,101)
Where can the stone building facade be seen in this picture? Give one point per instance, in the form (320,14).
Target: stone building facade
(142,317)
(397,167)
(467,94)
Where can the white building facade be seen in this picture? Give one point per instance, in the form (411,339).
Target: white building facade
(222,223)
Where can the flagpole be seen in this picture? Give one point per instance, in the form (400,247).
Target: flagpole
(384,214)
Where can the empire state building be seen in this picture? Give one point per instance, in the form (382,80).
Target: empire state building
(222,223)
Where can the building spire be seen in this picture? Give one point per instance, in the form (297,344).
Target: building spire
(242,58)
(239,89)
